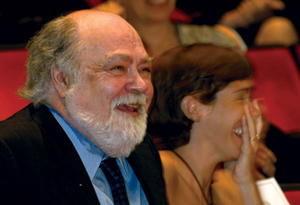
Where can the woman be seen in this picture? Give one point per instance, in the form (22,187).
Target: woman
(203,118)
(151,20)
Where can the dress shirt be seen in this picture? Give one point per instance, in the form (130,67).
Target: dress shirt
(91,157)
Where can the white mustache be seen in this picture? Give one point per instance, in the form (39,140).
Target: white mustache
(136,99)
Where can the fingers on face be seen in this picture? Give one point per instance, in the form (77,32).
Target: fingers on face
(254,117)
(249,127)
(258,116)
(250,121)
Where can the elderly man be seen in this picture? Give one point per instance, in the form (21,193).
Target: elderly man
(89,79)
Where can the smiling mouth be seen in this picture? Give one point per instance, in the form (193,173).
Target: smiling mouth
(238,131)
(129,108)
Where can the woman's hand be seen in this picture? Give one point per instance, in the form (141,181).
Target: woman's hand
(251,11)
(264,165)
(241,169)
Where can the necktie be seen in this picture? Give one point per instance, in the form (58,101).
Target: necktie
(115,180)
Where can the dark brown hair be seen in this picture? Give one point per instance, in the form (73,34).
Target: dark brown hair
(185,70)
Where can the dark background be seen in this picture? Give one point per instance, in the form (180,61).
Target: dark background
(20,19)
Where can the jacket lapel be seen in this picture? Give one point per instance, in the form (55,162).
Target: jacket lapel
(73,176)
(146,164)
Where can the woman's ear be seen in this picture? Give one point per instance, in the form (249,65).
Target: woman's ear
(193,109)
(60,81)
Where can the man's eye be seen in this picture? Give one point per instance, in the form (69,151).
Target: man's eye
(146,70)
(118,68)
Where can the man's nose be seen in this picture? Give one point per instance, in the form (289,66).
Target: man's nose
(136,83)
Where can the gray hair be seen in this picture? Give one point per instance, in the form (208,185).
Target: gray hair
(57,43)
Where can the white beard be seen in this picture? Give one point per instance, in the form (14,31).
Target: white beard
(118,135)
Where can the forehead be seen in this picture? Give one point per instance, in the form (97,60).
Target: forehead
(124,55)
(240,84)
(236,87)
(121,40)
(109,34)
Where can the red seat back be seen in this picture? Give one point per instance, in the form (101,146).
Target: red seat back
(293,196)
(12,77)
(277,81)
(297,47)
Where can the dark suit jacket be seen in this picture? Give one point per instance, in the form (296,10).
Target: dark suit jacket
(39,165)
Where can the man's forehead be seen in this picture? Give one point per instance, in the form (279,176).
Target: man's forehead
(141,57)
(111,36)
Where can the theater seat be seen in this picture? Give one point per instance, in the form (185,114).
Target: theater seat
(277,81)
(293,196)
(12,77)
(297,48)
(93,3)
(291,192)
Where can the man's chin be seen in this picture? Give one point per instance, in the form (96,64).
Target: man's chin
(123,150)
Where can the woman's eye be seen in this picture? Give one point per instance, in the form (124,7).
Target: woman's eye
(244,99)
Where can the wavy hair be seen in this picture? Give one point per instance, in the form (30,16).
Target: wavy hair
(57,43)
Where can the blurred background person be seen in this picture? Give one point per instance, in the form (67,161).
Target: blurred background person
(152,21)
(249,17)
(259,22)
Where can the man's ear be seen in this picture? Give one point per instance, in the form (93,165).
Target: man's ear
(193,109)
(60,81)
